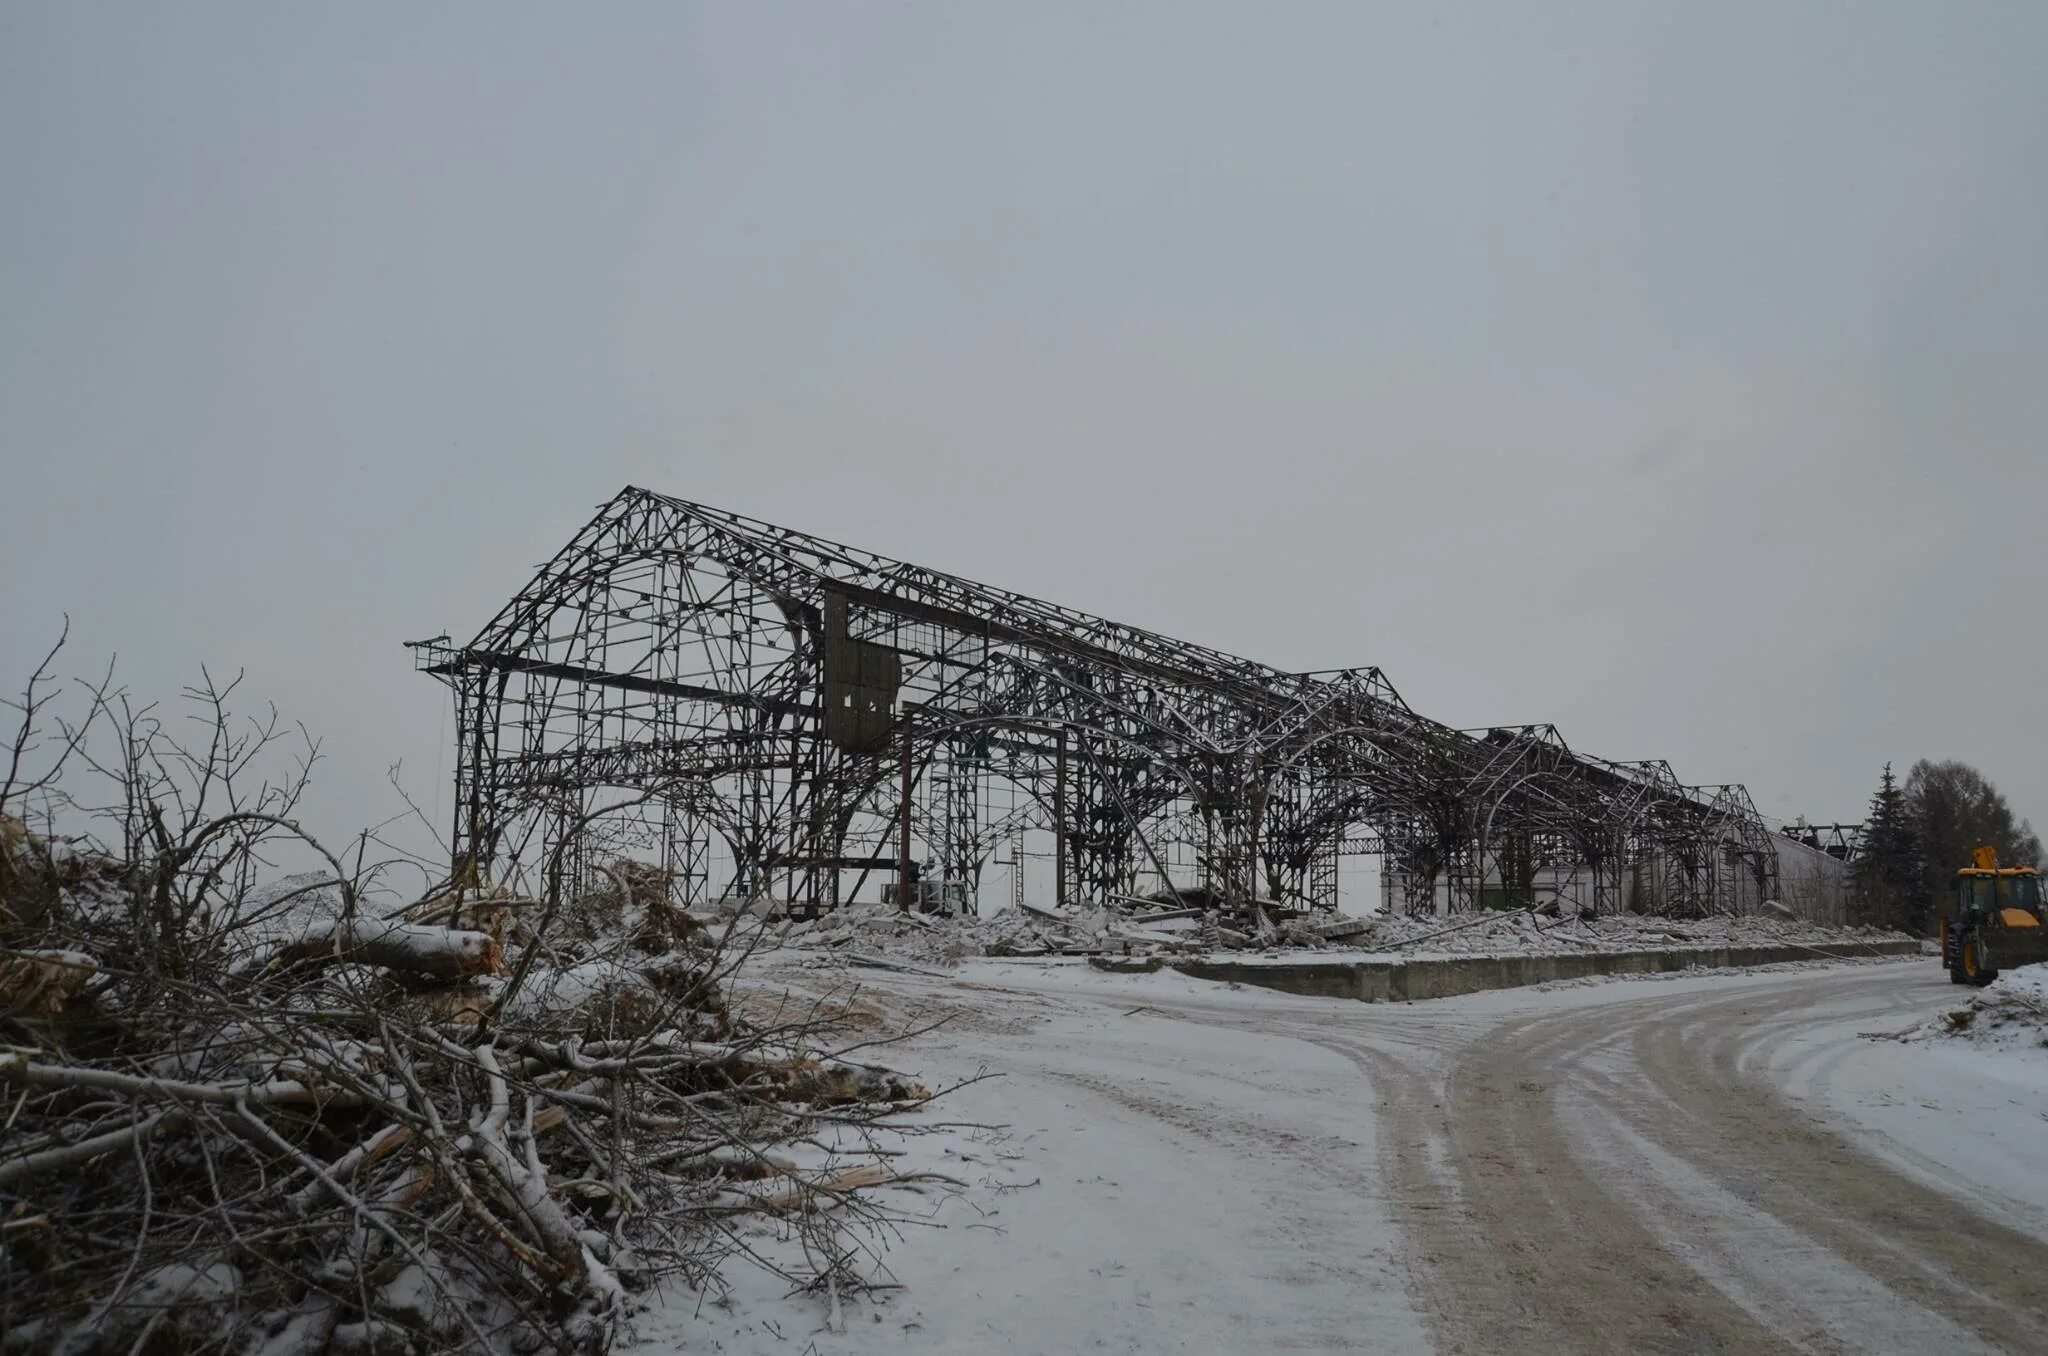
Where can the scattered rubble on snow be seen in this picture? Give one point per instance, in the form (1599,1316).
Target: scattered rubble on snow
(2010,1013)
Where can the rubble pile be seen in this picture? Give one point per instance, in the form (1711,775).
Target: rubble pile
(1526,933)
(932,939)
(1128,927)
(1155,927)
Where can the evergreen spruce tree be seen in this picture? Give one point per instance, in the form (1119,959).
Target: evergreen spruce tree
(1887,871)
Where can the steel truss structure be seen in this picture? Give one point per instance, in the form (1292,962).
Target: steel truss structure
(779,715)
(1843,842)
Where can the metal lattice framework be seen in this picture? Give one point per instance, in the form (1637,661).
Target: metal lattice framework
(1843,842)
(782,714)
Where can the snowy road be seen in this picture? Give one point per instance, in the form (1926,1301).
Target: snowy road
(1705,1164)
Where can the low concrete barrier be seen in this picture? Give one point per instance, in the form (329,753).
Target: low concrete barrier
(1394,981)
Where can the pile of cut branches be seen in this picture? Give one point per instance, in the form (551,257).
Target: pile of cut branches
(313,1118)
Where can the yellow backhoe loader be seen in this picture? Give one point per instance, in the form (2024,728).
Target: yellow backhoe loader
(1996,923)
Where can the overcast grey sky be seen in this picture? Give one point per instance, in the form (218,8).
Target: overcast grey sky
(1677,373)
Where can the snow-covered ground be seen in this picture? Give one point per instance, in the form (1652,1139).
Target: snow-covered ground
(2009,1015)
(1750,1162)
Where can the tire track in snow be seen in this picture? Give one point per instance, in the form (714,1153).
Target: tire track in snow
(1925,1244)
(1564,1204)
(1707,1206)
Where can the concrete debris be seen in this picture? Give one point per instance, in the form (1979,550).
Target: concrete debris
(1523,934)
(883,932)
(878,934)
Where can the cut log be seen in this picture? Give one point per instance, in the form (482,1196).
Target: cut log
(438,953)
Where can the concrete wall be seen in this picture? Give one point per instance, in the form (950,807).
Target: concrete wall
(1391,981)
(1811,883)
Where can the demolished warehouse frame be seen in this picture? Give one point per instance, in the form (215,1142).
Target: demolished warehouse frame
(804,716)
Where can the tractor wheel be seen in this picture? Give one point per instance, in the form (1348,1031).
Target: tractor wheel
(1975,972)
(1956,975)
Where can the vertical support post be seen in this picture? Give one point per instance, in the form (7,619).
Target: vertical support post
(1479,858)
(903,827)
(1059,823)
(475,711)
(799,846)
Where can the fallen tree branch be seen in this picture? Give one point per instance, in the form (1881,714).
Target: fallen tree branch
(16,1068)
(65,1156)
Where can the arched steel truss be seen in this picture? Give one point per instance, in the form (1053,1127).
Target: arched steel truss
(825,714)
